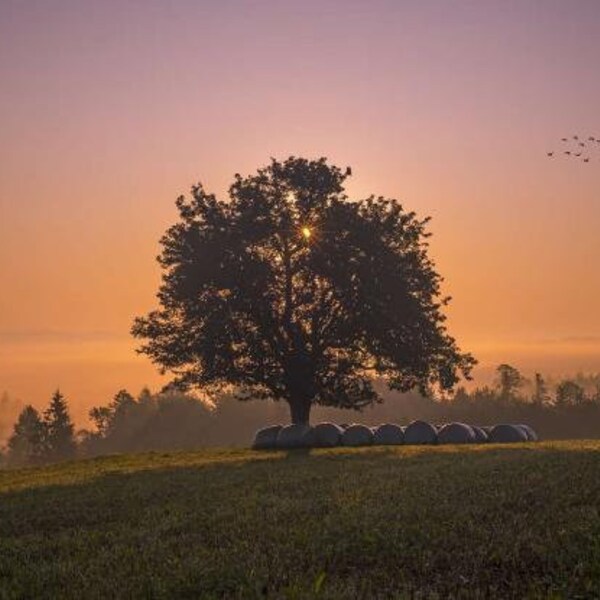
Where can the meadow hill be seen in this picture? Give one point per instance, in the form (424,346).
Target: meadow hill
(299,300)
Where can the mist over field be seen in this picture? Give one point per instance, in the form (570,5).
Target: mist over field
(299,299)
(450,108)
(32,366)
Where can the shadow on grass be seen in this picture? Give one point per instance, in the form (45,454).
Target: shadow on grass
(165,466)
(386,516)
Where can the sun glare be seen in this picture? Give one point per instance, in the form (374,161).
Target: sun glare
(306,232)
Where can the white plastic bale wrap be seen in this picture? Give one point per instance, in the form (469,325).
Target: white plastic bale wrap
(456,433)
(357,435)
(532,436)
(266,438)
(295,436)
(420,432)
(327,435)
(481,436)
(507,434)
(388,434)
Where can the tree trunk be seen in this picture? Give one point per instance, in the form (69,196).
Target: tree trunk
(300,410)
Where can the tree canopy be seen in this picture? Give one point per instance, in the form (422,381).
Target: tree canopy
(26,444)
(509,380)
(291,291)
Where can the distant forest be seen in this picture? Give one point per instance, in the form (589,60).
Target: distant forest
(568,408)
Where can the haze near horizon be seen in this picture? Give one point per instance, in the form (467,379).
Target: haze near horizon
(111,110)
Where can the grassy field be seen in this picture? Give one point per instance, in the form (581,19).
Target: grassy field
(437,522)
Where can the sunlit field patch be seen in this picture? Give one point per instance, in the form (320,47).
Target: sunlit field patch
(443,521)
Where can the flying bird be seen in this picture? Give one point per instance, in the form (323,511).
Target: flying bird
(578,146)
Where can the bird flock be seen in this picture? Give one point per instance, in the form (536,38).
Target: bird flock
(575,147)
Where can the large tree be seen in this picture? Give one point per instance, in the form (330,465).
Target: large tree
(290,291)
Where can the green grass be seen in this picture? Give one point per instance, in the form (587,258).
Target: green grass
(438,522)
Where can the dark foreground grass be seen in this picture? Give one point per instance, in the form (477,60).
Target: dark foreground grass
(441,522)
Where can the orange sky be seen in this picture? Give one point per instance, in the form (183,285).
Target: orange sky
(109,110)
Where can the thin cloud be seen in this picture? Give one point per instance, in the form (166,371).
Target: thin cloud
(46,335)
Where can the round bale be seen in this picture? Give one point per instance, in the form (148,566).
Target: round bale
(357,435)
(327,435)
(507,434)
(266,438)
(295,436)
(420,432)
(456,433)
(388,434)
(532,436)
(481,436)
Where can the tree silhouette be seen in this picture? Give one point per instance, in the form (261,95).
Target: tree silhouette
(509,381)
(27,443)
(292,292)
(569,393)
(540,390)
(60,439)
(109,418)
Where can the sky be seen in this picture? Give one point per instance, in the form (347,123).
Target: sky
(110,110)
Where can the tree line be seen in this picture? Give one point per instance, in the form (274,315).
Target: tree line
(563,409)
(172,420)
(39,438)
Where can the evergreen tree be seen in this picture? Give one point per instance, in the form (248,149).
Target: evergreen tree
(60,437)
(27,443)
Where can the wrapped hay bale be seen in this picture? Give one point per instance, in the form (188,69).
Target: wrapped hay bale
(420,432)
(327,435)
(357,435)
(295,436)
(507,434)
(532,436)
(481,436)
(266,438)
(388,434)
(456,433)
